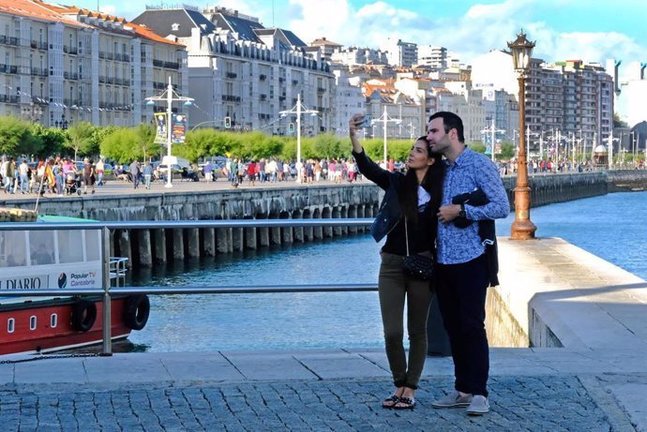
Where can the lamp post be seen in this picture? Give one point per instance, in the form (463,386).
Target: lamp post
(298,109)
(522,227)
(169,96)
(384,119)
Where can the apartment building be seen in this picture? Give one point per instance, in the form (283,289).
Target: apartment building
(63,64)
(433,56)
(401,53)
(567,100)
(243,74)
(353,56)
(410,111)
(349,100)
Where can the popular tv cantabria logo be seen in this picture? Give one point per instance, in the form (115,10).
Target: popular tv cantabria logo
(62,280)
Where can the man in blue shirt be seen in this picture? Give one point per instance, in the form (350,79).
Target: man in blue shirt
(464,271)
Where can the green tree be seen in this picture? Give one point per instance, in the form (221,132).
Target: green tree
(507,151)
(146,141)
(477,146)
(122,145)
(80,138)
(52,139)
(16,137)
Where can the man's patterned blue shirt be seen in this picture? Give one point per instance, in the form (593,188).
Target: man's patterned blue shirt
(469,172)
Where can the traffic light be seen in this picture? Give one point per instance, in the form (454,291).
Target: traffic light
(291,128)
(227,122)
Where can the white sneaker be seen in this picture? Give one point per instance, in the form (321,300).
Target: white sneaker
(479,406)
(452,400)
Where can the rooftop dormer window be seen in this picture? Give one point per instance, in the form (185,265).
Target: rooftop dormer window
(175,27)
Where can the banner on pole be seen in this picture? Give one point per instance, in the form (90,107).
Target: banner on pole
(178,133)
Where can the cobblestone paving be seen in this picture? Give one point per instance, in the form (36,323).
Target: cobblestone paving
(549,403)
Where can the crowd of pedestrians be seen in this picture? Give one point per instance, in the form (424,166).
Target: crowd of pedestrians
(58,176)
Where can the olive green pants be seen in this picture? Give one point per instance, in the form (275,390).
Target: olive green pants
(394,287)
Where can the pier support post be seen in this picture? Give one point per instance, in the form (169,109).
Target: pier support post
(207,242)
(237,239)
(263,233)
(123,245)
(275,233)
(336,214)
(159,245)
(352,214)
(286,232)
(250,236)
(327,214)
(144,247)
(192,236)
(297,231)
(177,244)
(308,232)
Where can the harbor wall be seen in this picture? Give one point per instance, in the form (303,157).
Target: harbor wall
(357,200)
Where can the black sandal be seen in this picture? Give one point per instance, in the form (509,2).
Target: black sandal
(404,403)
(390,401)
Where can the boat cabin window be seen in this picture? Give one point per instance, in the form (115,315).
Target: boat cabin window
(13,249)
(11,325)
(93,245)
(41,247)
(53,320)
(70,246)
(32,322)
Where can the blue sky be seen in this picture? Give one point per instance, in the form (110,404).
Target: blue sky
(591,30)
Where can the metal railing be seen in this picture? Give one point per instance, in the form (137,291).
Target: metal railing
(112,266)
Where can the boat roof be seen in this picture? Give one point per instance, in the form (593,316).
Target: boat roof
(61,219)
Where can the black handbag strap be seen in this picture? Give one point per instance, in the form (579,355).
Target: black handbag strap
(406,234)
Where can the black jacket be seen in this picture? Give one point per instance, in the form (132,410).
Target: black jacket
(487,230)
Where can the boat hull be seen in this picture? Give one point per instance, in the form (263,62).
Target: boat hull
(49,325)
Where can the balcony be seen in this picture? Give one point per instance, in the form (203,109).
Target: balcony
(158,63)
(171,65)
(230,98)
(231,75)
(9,98)
(38,72)
(321,90)
(158,85)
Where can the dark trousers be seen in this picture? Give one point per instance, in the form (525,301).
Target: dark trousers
(461,290)
(393,288)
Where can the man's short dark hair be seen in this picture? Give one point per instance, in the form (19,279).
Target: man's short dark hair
(451,121)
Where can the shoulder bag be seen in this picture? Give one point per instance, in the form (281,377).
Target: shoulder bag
(417,266)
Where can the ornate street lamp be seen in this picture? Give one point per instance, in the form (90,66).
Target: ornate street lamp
(169,96)
(522,227)
(299,109)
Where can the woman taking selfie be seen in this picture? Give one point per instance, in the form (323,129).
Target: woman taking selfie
(408,219)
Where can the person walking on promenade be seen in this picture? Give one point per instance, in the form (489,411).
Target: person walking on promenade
(466,257)
(88,175)
(409,210)
(134,172)
(99,169)
(148,174)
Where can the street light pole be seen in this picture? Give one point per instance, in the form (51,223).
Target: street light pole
(298,109)
(384,119)
(522,227)
(167,96)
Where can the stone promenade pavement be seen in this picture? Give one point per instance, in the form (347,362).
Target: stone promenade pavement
(340,390)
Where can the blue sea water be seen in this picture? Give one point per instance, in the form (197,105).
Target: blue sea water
(613,227)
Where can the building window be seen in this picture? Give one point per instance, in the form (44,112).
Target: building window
(11,325)
(33,321)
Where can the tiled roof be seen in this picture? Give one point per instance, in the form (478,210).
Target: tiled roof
(162,21)
(37,10)
(68,15)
